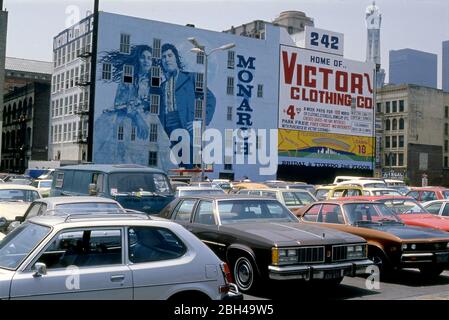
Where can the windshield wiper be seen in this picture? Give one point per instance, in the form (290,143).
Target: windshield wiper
(365,222)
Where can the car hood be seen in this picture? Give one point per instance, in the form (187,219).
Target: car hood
(5,283)
(426,220)
(290,233)
(10,210)
(409,232)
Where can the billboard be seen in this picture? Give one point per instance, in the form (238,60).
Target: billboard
(326,110)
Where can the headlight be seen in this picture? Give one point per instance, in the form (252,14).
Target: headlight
(413,246)
(447,245)
(404,247)
(357,251)
(283,256)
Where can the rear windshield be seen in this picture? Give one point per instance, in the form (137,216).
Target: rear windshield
(17,195)
(198,192)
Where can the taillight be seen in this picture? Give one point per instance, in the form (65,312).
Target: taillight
(226,273)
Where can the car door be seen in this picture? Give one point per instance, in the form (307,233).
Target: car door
(161,263)
(81,264)
(206,228)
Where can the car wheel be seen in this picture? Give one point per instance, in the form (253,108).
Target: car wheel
(431,271)
(245,274)
(380,261)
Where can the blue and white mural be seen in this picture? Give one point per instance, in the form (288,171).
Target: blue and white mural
(128,128)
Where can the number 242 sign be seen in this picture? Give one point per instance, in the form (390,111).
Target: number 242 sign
(324,40)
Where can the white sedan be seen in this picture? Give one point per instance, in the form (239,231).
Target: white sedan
(438,207)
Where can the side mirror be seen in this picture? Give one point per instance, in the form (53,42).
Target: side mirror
(92,189)
(40,269)
(20,219)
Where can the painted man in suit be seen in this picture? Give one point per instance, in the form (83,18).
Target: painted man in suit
(179,95)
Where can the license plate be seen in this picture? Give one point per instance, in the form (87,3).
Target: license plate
(442,257)
(332,274)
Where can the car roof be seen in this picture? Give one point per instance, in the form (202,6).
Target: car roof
(17,187)
(375,198)
(344,201)
(77,199)
(429,188)
(197,188)
(108,168)
(226,196)
(276,190)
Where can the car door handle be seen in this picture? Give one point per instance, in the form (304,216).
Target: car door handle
(118,278)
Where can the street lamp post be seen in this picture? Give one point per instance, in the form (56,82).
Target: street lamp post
(198,48)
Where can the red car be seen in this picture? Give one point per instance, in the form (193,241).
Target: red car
(409,210)
(423,194)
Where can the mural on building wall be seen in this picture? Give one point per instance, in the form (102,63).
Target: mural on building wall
(147,107)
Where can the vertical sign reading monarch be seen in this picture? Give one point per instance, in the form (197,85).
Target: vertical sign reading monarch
(326,109)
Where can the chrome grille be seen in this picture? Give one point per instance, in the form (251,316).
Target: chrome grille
(339,253)
(311,254)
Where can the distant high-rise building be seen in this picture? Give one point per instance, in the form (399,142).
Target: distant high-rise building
(446,66)
(408,66)
(373,19)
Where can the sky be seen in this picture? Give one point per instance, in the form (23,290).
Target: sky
(416,24)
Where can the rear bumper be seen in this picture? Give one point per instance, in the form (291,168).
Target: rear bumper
(233,294)
(320,271)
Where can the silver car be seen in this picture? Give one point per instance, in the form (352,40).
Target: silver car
(109,256)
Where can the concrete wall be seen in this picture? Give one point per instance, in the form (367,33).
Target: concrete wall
(417,155)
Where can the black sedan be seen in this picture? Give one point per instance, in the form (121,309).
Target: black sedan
(261,239)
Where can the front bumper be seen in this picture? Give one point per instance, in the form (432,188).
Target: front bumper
(414,259)
(320,271)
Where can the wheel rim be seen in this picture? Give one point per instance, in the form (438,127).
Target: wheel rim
(243,273)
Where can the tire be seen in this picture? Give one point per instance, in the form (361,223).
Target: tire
(379,259)
(431,271)
(245,274)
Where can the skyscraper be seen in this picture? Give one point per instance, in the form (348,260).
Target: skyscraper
(373,19)
(446,66)
(409,66)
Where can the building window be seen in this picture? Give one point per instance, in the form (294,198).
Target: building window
(395,106)
(446,112)
(107,71)
(445,145)
(200,57)
(128,71)
(379,107)
(155,76)
(155,103)
(400,159)
(445,162)
(401,141)
(394,142)
(229,114)
(231,59)
(387,107)
(152,159)
(120,133)
(157,48)
(230,86)
(153,132)
(387,142)
(395,124)
(401,105)
(401,124)
(260,91)
(124,43)
(199,81)
(446,129)
(393,159)
(198,109)
(133,133)
(228,166)
(387,125)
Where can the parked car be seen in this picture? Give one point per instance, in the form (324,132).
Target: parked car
(337,191)
(247,185)
(22,181)
(291,198)
(261,239)
(15,200)
(402,189)
(133,186)
(438,207)
(381,192)
(44,187)
(193,191)
(410,211)
(424,194)
(391,243)
(365,183)
(175,184)
(64,205)
(115,256)
(395,183)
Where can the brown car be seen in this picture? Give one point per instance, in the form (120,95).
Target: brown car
(391,243)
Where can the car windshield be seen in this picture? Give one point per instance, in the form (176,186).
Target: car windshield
(237,211)
(405,206)
(322,193)
(366,213)
(18,195)
(129,182)
(18,244)
(297,198)
(200,191)
(385,192)
(45,184)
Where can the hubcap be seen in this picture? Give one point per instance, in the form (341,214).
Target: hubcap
(244,273)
